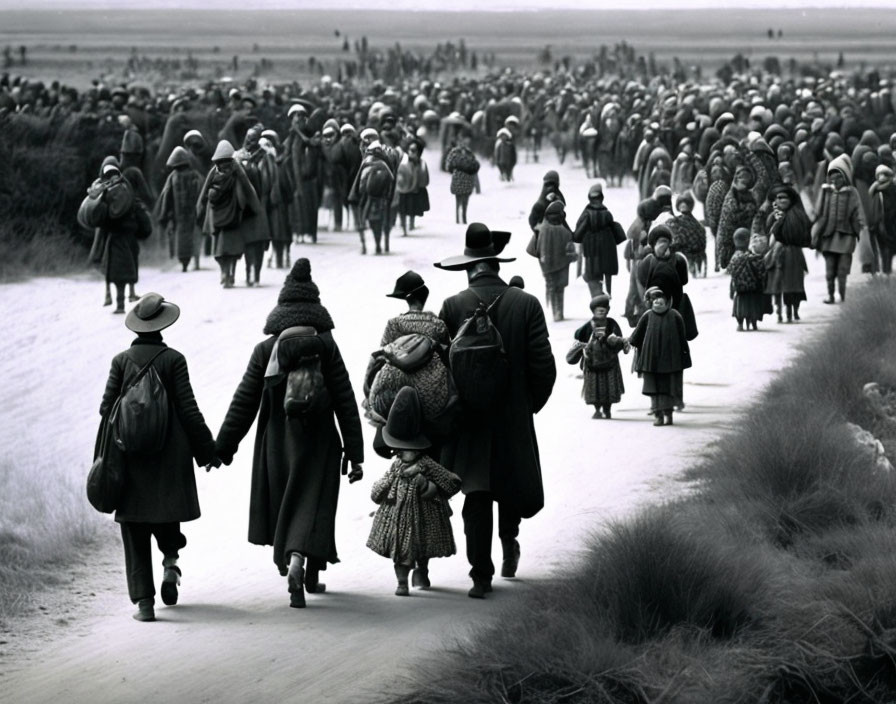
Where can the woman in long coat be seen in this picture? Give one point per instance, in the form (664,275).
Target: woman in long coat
(789,232)
(599,234)
(738,210)
(296,462)
(160,488)
(176,207)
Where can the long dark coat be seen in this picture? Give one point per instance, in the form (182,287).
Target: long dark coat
(295,467)
(161,488)
(499,453)
(599,236)
(176,208)
(121,243)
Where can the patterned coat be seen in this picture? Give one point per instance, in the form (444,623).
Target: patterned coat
(406,527)
(738,210)
(463,166)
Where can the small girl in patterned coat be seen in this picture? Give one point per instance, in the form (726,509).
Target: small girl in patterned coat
(413,521)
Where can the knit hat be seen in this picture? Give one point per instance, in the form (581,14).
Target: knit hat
(555,208)
(685,197)
(551,177)
(663,196)
(657,233)
(223,151)
(298,303)
(403,430)
(741,237)
(600,301)
(596,191)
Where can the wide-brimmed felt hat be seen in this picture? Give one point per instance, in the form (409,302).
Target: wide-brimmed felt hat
(151,314)
(408,283)
(403,430)
(481,244)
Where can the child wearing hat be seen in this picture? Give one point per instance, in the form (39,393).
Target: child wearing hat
(663,355)
(600,340)
(412,524)
(747,270)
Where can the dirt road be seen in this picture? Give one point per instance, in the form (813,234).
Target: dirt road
(233,638)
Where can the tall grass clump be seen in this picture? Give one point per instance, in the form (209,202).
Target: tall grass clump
(771,583)
(48,166)
(45,523)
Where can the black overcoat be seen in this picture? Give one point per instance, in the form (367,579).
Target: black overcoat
(499,452)
(161,487)
(295,467)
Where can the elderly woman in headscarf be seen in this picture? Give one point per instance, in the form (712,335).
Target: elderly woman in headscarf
(176,207)
(789,232)
(738,210)
(226,206)
(296,460)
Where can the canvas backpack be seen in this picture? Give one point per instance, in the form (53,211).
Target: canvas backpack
(112,198)
(478,360)
(377,181)
(297,355)
(140,419)
(410,360)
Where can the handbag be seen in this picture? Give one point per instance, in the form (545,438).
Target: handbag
(576,352)
(105,480)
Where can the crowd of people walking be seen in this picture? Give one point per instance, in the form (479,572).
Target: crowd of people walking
(777,167)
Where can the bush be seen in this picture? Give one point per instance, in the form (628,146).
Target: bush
(772,582)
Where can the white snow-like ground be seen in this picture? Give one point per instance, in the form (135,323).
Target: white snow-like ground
(233,638)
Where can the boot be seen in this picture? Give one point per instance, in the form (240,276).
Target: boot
(830,298)
(778,311)
(796,311)
(108,300)
(668,417)
(479,589)
(363,243)
(170,581)
(145,610)
(386,242)
(841,286)
(659,418)
(313,585)
(420,575)
(607,414)
(596,411)
(134,297)
(511,558)
(789,313)
(295,576)
(558,303)
(401,573)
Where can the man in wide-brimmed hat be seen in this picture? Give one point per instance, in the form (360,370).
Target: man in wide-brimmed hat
(160,491)
(494,449)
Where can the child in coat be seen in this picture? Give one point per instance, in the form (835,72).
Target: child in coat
(663,355)
(747,271)
(412,523)
(600,341)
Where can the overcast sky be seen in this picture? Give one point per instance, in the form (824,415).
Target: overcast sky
(459,5)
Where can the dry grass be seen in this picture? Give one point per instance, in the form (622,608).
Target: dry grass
(772,583)
(45,524)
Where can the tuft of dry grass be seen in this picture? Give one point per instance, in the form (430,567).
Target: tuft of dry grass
(772,583)
(45,523)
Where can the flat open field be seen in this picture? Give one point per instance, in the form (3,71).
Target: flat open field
(79,45)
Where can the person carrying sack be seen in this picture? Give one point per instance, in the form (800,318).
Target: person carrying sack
(159,491)
(494,449)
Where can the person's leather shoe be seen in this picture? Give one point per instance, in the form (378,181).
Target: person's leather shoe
(145,611)
(170,581)
(511,559)
(313,585)
(479,589)
(420,578)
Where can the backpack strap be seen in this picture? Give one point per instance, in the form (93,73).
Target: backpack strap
(144,369)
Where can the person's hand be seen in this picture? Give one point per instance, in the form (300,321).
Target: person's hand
(356,474)
(214,463)
(430,492)
(420,483)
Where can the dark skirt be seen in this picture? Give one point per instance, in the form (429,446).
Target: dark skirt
(413,204)
(751,306)
(229,243)
(603,387)
(666,390)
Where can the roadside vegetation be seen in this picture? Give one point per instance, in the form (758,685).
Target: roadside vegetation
(773,581)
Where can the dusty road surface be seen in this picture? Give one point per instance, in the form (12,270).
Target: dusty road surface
(233,638)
